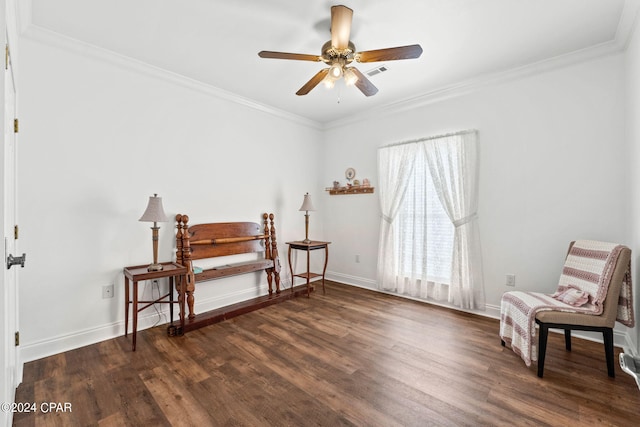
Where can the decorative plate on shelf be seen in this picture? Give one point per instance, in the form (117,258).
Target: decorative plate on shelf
(350,173)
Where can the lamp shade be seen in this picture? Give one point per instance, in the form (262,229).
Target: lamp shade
(154,212)
(307,204)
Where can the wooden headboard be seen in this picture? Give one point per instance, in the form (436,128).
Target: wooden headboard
(205,241)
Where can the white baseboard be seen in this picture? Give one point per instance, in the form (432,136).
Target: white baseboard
(491,310)
(146,319)
(61,343)
(352,280)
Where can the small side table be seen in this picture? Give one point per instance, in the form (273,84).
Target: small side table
(308,247)
(139,273)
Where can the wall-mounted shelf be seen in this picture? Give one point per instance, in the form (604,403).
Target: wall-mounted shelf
(350,190)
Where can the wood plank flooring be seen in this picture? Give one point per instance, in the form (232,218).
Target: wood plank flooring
(351,357)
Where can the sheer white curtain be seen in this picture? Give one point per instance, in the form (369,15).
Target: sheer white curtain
(395,165)
(424,239)
(406,266)
(453,164)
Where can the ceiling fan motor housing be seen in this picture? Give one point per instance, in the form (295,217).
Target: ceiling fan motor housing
(331,54)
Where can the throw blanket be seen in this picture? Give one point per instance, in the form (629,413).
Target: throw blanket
(582,288)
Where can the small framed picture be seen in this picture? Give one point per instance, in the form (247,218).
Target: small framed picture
(350,173)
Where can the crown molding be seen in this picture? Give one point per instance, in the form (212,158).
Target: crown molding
(627,23)
(51,38)
(482,82)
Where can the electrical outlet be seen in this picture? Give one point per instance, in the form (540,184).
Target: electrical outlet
(511,280)
(357,258)
(107,291)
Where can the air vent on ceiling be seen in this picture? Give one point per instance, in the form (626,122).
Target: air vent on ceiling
(377,70)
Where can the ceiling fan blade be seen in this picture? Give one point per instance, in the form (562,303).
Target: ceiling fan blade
(285,55)
(364,84)
(390,54)
(320,75)
(341,17)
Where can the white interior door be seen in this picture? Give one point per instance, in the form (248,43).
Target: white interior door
(9,357)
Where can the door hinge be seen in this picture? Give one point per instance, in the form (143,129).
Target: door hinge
(6,56)
(16,232)
(17,339)
(16,125)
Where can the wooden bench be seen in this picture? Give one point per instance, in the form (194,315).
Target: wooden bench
(211,240)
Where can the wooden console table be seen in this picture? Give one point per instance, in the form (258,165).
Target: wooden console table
(139,273)
(308,247)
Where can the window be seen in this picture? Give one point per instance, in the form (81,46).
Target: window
(425,234)
(429,236)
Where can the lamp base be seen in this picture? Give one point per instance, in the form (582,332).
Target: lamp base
(154,267)
(307,241)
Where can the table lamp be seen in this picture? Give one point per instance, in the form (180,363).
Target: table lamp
(307,206)
(154,213)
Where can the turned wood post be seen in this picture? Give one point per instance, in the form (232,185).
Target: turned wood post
(179,260)
(274,256)
(267,251)
(179,239)
(186,257)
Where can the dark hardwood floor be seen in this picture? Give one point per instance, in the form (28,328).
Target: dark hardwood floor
(352,357)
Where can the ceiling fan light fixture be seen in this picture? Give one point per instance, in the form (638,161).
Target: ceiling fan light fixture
(350,78)
(335,71)
(329,81)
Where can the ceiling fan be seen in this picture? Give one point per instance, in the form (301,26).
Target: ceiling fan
(340,52)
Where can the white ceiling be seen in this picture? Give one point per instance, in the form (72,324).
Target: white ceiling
(216,42)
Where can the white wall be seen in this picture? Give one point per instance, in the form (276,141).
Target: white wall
(553,168)
(632,89)
(97,139)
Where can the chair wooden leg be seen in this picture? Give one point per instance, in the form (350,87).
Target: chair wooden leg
(542,347)
(607,335)
(567,339)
